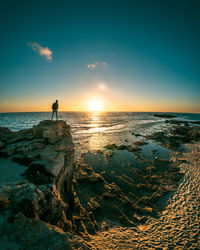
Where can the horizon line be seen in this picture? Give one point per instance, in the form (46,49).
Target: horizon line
(88,111)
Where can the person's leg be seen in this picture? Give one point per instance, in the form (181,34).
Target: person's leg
(56,114)
(52,115)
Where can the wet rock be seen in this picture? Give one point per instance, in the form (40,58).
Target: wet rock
(177,135)
(93,204)
(104,226)
(108,154)
(122,147)
(8,151)
(125,195)
(135,134)
(84,176)
(5,133)
(139,143)
(173,143)
(21,159)
(111,146)
(158,136)
(131,148)
(176,122)
(165,115)
(2,144)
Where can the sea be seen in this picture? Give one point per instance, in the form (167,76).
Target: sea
(92,131)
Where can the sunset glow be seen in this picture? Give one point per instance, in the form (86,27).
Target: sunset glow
(95,105)
(137,66)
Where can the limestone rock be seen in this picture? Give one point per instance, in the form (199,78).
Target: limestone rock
(46,130)
(42,192)
(35,234)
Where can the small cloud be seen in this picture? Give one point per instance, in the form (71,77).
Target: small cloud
(102,87)
(92,66)
(42,51)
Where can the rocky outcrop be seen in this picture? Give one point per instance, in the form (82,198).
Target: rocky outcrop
(36,188)
(177,135)
(165,116)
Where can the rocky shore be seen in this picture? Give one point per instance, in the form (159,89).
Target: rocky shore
(48,201)
(36,196)
(177,227)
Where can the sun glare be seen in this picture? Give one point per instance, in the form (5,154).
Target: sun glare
(95,105)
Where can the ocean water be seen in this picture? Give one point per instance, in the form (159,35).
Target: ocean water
(91,131)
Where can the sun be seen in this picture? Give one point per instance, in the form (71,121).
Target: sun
(95,105)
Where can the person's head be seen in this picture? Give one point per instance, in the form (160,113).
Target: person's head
(56,101)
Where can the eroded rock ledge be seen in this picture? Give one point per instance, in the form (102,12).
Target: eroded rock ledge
(36,197)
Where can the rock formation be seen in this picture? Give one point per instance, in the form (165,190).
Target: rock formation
(119,191)
(36,197)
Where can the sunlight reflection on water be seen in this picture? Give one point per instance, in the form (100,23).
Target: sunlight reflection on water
(93,130)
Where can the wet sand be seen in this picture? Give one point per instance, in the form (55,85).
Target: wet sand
(179,225)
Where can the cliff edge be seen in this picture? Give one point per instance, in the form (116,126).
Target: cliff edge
(36,198)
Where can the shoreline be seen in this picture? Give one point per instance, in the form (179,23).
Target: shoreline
(112,194)
(178,226)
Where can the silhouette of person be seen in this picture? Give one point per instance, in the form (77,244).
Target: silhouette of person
(55,110)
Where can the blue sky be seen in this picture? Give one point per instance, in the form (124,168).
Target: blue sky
(145,54)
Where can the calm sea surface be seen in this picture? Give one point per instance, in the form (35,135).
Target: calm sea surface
(92,131)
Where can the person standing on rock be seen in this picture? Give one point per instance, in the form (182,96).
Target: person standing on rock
(55,110)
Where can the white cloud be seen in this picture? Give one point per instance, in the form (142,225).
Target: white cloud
(92,66)
(102,86)
(42,51)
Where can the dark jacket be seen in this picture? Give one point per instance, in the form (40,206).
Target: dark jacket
(55,106)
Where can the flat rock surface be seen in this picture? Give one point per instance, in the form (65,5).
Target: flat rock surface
(11,172)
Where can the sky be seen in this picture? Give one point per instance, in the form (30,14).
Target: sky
(127,55)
